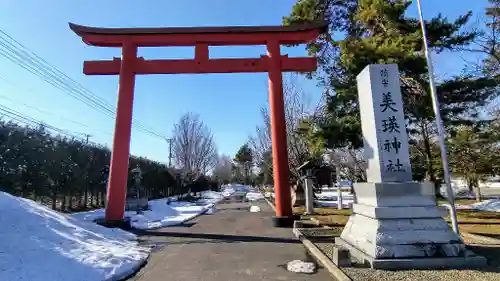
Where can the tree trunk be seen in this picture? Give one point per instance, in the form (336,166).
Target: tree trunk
(54,200)
(478,194)
(70,203)
(293,194)
(430,170)
(103,199)
(92,197)
(478,190)
(85,197)
(63,203)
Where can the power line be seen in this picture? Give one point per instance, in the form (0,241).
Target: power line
(29,121)
(51,114)
(30,61)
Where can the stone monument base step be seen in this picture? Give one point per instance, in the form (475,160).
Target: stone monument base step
(469,260)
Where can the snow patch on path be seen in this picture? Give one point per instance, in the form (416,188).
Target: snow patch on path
(299,266)
(254,209)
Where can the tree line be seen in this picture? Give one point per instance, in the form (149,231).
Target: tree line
(70,174)
(378,32)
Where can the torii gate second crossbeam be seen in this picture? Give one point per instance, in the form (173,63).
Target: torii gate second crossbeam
(129,65)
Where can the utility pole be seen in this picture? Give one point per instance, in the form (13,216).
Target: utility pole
(87,136)
(439,124)
(169,140)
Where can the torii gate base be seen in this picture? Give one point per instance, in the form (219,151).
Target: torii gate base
(129,39)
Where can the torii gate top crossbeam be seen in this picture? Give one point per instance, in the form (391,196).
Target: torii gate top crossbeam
(190,36)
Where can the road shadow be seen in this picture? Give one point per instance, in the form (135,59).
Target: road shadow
(491,235)
(479,222)
(224,238)
(186,225)
(236,209)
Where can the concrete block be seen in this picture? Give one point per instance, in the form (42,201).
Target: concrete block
(340,256)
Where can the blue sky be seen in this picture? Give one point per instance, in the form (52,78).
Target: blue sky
(228,103)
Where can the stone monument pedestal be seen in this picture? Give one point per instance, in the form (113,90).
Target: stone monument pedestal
(396,223)
(399,226)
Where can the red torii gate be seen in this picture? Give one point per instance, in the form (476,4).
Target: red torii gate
(129,39)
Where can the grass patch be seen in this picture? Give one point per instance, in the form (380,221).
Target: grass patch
(326,216)
(322,211)
(478,222)
(457,201)
(268,189)
(472,221)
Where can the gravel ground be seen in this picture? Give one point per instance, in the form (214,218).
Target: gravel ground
(487,249)
(311,233)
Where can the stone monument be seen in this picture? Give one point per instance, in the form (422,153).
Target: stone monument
(395,223)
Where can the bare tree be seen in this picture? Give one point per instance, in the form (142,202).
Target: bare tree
(350,163)
(193,147)
(487,42)
(297,108)
(223,170)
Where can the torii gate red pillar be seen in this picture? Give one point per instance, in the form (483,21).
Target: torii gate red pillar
(278,132)
(129,39)
(118,170)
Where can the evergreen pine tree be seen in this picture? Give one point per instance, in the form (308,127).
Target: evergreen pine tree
(379,32)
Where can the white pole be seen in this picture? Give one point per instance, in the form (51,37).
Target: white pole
(439,124)
(309,196)
(339,197)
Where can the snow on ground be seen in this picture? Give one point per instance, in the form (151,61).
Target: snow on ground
(254,196)
(39,244)
(162,214)
(492,205)
(299,266)
(347,204)
(332,195)
(229,189)
(328,197)
(254,209)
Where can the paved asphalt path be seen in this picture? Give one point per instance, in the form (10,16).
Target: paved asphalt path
(230,245)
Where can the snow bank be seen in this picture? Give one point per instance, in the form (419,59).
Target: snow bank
(492,205)
(160,214)
(39,244)
(212,196)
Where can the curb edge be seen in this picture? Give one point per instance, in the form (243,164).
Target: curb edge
(333,269)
